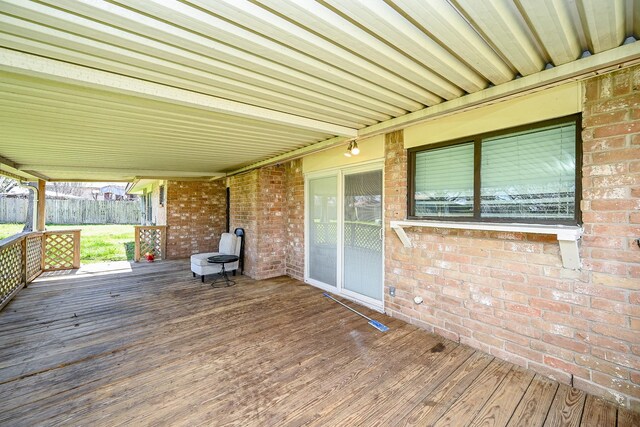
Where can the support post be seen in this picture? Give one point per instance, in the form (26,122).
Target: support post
(41,205)
(136,251)
(76,248)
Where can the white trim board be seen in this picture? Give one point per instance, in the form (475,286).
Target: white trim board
(567,236)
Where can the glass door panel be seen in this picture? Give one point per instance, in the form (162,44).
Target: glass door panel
(362,234)
(323,229)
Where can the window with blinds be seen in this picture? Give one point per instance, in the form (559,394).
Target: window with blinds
(518,175)
(530,174)
(444,181)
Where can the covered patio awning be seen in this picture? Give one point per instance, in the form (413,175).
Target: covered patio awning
(98,90)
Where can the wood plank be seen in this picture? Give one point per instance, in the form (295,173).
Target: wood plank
(567,407)
(499,408)
(628,418)
(153,345)
(534,406)
(598,413)
(406,398)
(476,395)
(432,406)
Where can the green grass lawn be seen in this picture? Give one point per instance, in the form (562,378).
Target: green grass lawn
(98,243)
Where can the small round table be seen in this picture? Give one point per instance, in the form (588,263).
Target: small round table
(223,259)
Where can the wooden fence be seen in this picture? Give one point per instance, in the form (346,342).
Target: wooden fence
(24,256)
(78,211)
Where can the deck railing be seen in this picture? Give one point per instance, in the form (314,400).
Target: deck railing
(61,250)
(150,239)
(24,256)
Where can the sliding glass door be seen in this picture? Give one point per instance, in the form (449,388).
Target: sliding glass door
(362,234)
(344,233)
(322,248)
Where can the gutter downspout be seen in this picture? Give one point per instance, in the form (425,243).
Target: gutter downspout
(34,205)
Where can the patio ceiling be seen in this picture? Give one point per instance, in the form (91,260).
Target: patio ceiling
(158,88)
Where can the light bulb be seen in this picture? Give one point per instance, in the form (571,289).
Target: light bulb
(347,153)
(355,151)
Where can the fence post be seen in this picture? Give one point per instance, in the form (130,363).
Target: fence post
(23,243)
(136,250)
(44,250)
(163,244)
(76,249)
(41,205)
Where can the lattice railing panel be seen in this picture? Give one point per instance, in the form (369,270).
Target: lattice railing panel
(61,250)
(150,239)
(11,275)
(34,256)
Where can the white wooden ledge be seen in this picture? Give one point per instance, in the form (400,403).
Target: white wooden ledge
(567,236)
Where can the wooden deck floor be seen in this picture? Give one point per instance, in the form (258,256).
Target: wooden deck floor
(153,346)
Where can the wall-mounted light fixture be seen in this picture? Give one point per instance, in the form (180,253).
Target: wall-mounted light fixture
(352,149)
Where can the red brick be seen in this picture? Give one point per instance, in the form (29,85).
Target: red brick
(615,307)
(606,169)
(625,256)
(607,267)
(617,129)
(600,316)
(511,337)
(605,342)
(523,309)
(572,368)
(509,357)
(196,216)
(568,343)
(623,180)
(525,352)
(615,281)
(553,328)
(552,350)
(561,296)
(547,305)
(601,365)
(553,373)
(615,332)
(615,205)
(603,119)
(604,217)
(616,384)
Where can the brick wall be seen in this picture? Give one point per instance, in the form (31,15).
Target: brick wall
(507,293)
(196,216)
(294,219)
(271,223)
(244,214)
(259,204)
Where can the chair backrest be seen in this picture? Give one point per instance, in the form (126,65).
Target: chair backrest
(238,245)
(228,244)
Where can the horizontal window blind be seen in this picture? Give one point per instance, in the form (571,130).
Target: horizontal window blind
(530,174)
(444,181)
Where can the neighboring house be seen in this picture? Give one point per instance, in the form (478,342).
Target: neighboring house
(152,197)
(115,192)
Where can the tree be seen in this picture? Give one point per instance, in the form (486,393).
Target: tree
(6,184)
